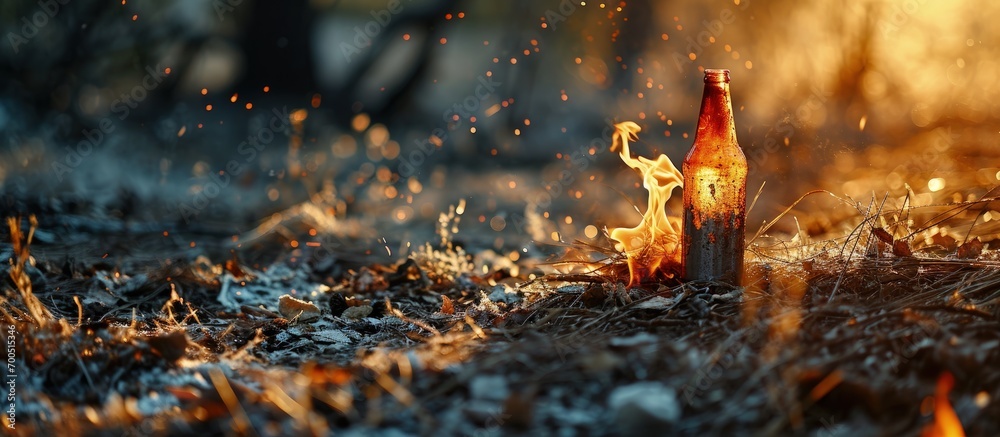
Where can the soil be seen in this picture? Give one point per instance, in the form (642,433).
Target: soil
(166,338)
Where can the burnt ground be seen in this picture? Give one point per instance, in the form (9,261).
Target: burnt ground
(152,299)
(130,329)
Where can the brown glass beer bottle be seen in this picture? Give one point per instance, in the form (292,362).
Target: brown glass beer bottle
(715,177)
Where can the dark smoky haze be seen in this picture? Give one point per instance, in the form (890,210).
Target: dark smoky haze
(381,115)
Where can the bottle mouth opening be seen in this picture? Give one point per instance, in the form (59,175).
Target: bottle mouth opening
(716,75)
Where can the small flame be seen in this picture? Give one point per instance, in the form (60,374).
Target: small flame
(946,423)
(653,246)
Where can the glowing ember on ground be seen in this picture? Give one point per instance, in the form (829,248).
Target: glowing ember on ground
(946,423)
(652,246)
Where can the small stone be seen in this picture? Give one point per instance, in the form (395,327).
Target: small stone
(492,388)
(295,309)
(643,406)
(486,415)
(504,293)
(655,303)
(357,313)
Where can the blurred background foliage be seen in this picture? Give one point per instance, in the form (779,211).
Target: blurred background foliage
(862,98)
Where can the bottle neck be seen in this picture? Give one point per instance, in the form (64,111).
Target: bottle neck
(715,122)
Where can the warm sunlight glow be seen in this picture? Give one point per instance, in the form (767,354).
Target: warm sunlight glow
(652,246)
(936,184)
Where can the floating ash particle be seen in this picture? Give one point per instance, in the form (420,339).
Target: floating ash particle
(357,312)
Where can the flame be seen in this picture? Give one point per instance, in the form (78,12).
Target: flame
(946,423)
(653,246)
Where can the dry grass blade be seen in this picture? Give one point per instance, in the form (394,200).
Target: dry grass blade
(953,211)
(756,196)
(857,239)
(763,229)
(21,243)
(403,317)
(240,419)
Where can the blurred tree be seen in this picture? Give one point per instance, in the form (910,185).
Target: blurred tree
(427,19)
(42,54)
(278,49)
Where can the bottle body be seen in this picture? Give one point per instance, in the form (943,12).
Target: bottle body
(715,174)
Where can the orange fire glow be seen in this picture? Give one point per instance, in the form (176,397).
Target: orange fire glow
(946,423)
(652,246)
